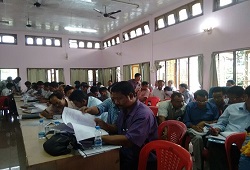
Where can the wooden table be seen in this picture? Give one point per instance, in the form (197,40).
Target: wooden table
(37,158)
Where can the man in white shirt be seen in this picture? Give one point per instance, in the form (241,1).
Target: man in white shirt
(7,90)
(158,92)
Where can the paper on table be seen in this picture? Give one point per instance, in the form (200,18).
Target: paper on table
(40,106)
(83,124)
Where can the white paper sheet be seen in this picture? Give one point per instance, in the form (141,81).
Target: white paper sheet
(83,124)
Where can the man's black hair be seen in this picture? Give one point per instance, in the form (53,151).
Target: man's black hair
(236,90)
(123,87)
(78,95)
(202,93)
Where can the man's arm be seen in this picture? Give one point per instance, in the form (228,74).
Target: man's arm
(112,129)
(161,119)
(117,140)
(91,110)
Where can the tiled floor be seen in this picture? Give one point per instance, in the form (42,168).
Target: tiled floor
(12,154)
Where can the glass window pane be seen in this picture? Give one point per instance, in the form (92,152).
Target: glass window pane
(8,39)
(0,39)
(194,84)
(242,68)
(48,41)
(118,75)
(30,40)
(196,9)
(39,41)
(109,43)
(118,40)
(183,70)
(5,73)
(161,72)
(171,70)
(224,65)
(49,75)
(113,41)
(57,42)
(183,15)
(97,45)
(171,19)
(160,23)
(81,44)
(105,44)
(73,44)
(132,34)
(138,31)
(89,45)
(146,29)
(126,37)
(225,2)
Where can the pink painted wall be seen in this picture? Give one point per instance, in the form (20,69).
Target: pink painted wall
(185,39)
(181,40)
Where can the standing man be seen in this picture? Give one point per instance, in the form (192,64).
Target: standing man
(135,126)
(196,115)
(171,85)
(230,83)
(136,82)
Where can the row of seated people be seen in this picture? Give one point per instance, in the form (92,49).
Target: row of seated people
(120,101)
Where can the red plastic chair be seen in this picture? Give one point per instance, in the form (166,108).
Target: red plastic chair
(152,101)
(176,131)
(238,139)
(170,156)
(4,102)
(154,109)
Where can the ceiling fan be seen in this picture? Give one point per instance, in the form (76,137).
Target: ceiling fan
(28,24)
(105,14)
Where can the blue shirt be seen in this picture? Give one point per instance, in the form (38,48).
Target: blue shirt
(108,106)
(234,119)
(92,101)
(194,115)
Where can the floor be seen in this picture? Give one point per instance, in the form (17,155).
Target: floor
(12,154)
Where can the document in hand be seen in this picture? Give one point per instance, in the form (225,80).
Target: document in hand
(83,124)
(205,130)
(222,136)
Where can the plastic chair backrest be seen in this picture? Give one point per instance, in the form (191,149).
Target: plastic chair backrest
(152,101)
(170,156)
(154,109)
(4,102)
(235,138)
(176,131)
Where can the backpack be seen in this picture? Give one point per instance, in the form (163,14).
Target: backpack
(60,144)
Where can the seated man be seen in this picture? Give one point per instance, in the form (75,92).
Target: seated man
(188,95)
(7,90)
(158,92)
(218,99)
(135,126)
(196,115)
(106,106)
(144,92)
(57,103)
(168,92)
(104,93)
(235,118)
(172,109)
(235,94)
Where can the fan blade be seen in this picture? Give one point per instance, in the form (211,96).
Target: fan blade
(98,11)
(111,13)
(112,17)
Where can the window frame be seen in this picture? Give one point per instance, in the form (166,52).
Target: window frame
(85,44)
(110,39)
(216,6)
(7,34)
(34,37)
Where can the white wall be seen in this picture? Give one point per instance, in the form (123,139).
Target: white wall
(183,39)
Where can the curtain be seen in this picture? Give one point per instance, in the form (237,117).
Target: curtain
(79,74)
(37,74)
(200,70)
(126,72)
(100,75)
(106,76)
(114,74)
(213,72)
(61,75)
(146,72)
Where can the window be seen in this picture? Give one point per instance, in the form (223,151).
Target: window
(92,76)
(137,31)
(111,41)
(31,40)
(233,65)
(8,39)
(185,12)
(8,72)
(45,74)
(84,44)
(220,4)
(183,70)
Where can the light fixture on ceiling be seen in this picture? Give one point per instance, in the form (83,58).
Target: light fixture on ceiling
(79,29)
(208,25)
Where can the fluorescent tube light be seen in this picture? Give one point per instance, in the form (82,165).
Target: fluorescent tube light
(79,29)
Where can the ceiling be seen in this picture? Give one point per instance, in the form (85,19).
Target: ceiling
(53,15)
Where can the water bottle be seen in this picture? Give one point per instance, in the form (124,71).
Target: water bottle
(41,130)
(25,99)
(98,138)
